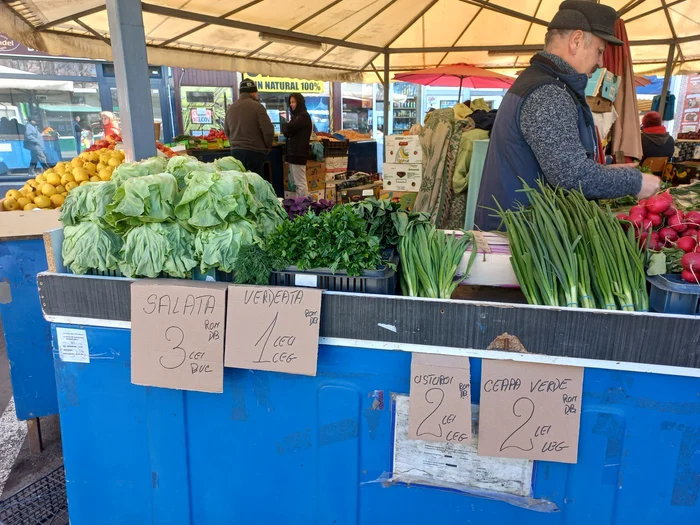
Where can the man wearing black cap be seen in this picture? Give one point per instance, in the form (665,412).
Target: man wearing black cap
(249,128)
(544,127)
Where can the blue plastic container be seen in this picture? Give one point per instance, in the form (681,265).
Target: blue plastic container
(27,334)
(279,449)
(670,294)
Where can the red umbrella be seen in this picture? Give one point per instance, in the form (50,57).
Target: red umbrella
(462,75)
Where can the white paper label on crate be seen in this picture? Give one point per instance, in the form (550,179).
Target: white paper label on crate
(454,465)
(72,345)
(367,193)
(307,281)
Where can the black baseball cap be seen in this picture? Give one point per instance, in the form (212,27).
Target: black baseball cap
(248,86)
(587,16)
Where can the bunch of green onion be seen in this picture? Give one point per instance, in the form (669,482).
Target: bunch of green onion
(429,261)
(567,251)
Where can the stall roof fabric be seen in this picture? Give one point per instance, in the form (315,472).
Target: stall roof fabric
(345,40)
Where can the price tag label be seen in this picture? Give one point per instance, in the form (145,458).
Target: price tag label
(440,401)
(273,328)
(530,410)
(177,334)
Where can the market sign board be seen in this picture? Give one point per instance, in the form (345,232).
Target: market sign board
(286,85)
(530,410)
(440,401)
(177,334)
(273,328)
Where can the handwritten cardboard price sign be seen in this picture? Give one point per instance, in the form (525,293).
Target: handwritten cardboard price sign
(440,401)
(273,328)
(177,334)
(530,411)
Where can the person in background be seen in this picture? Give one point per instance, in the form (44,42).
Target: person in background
(656,142)
(35,144)
(298,132)
(109,124)
(249,128)
(544,126)
(77,133)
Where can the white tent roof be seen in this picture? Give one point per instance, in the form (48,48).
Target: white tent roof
(354,34)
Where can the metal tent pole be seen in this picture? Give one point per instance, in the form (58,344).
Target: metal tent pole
(387,96)
(667,80)
(133,81)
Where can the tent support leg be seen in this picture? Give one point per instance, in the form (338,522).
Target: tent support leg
(387,95)
(667,80)
(133,82)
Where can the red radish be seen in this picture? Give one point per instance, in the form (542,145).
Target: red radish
(643,202)
(638,210)
(677,222)
(655,219)
(637,219)
(691,261)
(690,232)
(647,224)
(666,196)
(693,217)
(670,211)
(668,235)
(657,204)
(687,244)
(622,217)
(690,276)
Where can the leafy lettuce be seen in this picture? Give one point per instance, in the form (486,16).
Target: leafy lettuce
(214,199)
(90,246)
(182,166)
(218,248)
(150,198)
(154,248)
(229,164)
(87,203)
(126,171)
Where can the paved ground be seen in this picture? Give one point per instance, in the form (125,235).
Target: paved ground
(25,468)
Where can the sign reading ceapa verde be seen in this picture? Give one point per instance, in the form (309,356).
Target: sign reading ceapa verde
(285,85)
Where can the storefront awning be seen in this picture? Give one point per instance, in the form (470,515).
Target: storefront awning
(26,82)
(345,40)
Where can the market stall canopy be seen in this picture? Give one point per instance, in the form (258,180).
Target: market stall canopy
(28,83)
(344,39)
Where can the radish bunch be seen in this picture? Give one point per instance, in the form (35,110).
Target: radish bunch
(658,224)
(691,267)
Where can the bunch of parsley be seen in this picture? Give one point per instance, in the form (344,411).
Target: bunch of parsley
(337,239)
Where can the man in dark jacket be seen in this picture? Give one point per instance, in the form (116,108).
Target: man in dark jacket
(544,126)
(35,144)
(77,132)
(656,142)
(249,128)
(298,133)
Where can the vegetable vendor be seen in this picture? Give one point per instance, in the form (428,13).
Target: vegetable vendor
(249,128)
(544,127)
(298,133)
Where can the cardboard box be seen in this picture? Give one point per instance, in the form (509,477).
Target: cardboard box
(403,149)
(337,164)
(177,334)
(27,223)
(353,195)
(402,177)
(406,199)
(318,195)
(315,176)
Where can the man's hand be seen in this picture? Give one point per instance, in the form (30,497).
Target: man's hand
(651,184)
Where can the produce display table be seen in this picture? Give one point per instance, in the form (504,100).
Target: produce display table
(27,335)
(278,448)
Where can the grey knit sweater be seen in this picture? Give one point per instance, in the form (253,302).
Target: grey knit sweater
(549,123)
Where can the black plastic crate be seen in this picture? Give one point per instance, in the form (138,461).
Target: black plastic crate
(670,294)
(333,148)
(42,502)
(382,281)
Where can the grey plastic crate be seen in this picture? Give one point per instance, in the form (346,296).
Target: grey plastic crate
(382,281)
(670,294)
